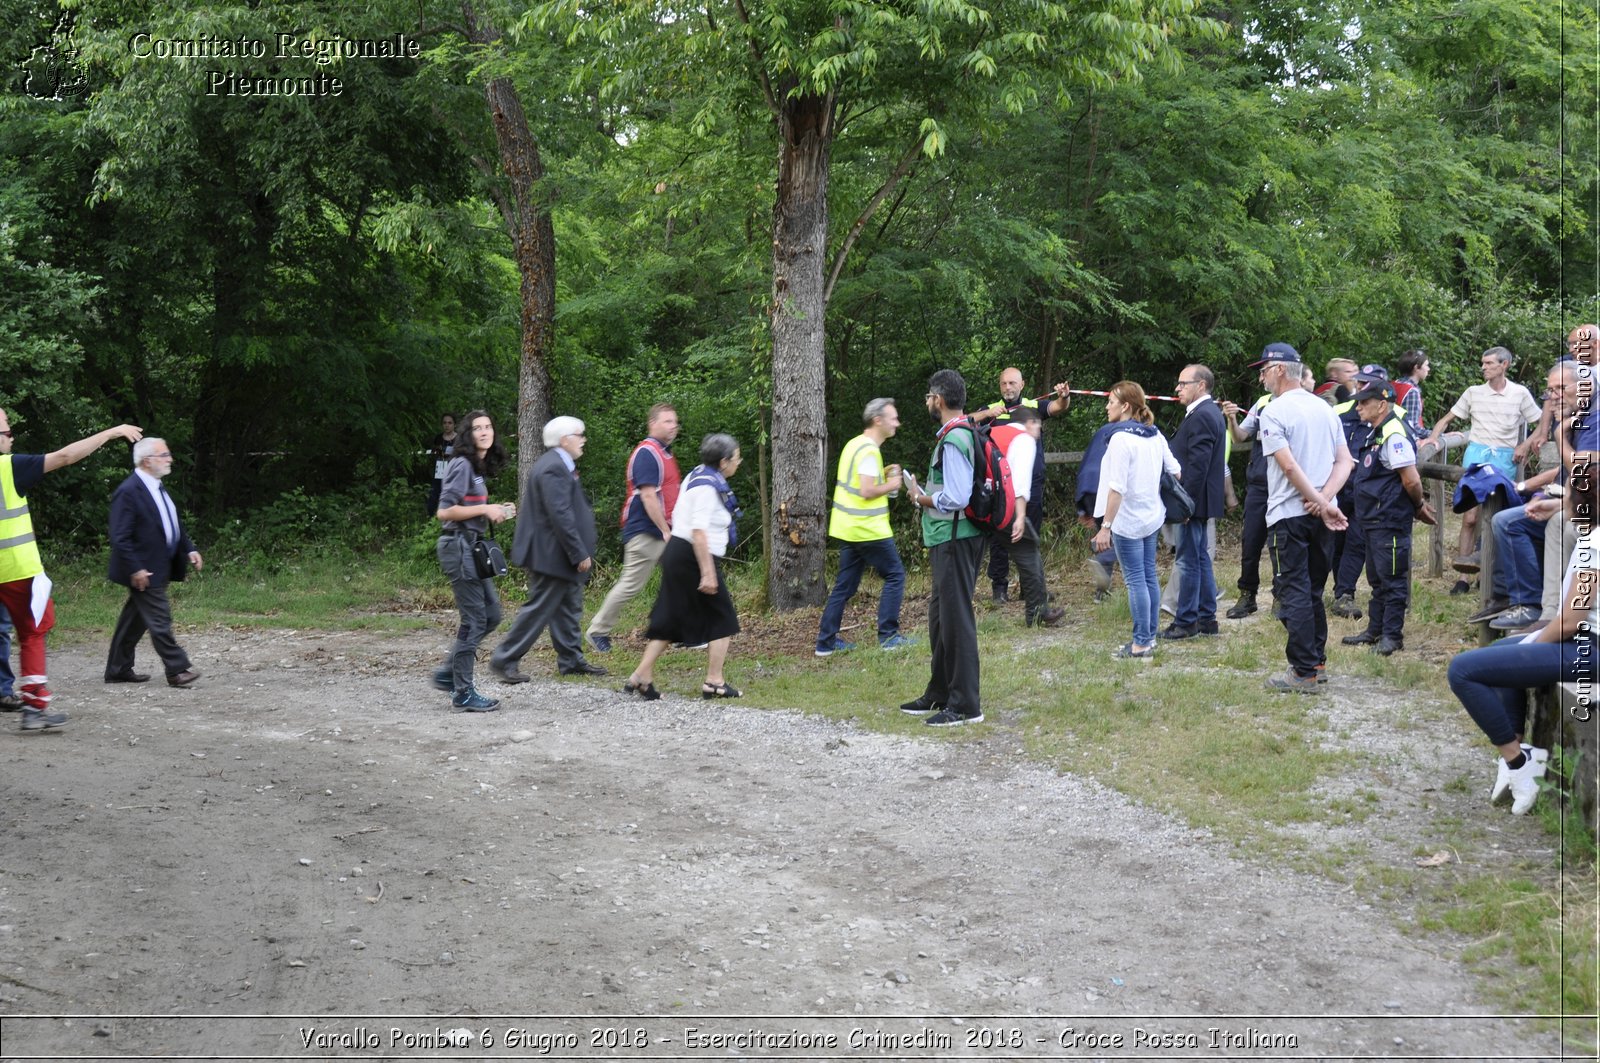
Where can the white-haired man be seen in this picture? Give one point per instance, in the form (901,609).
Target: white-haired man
(149,550)
(555,543)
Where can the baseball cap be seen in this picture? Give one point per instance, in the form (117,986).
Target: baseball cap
(1376,389)
(1276,352)
(1372,372)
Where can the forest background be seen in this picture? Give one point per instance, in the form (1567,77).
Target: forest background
(764,211)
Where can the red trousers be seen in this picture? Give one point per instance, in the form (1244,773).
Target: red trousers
(17,597)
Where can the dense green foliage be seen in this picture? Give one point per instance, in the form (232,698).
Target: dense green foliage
(292,288)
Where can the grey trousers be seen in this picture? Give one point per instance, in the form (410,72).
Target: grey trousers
(552,602)
(477,603)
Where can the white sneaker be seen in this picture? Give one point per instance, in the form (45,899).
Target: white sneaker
(1525,783)
(1502,777)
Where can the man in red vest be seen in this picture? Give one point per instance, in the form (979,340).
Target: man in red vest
(646,519)
(1018,439)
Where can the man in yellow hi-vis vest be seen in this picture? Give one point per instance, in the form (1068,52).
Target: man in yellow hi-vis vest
(860,521)
(20,563)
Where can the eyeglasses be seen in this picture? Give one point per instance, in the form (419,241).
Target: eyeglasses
(1187,383)
(163,454)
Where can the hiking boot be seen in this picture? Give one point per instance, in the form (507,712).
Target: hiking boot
(39,720)
(1461,587)
(1048,617)
(1345,605)
(10,703)
(444,679)
(1386,646)
(1363,638)
(1243,607)
(472,701)
(999,596)
(1292,683)
(1495,607)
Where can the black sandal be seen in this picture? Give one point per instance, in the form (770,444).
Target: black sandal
(720,690)
(647,691)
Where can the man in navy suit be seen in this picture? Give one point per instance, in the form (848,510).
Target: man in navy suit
(555,543)
(1199,448)
(149,549)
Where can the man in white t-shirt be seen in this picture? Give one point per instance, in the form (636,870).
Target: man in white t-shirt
(1308,461)
(1499,410)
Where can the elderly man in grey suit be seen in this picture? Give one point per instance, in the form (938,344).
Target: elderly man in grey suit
(555,543)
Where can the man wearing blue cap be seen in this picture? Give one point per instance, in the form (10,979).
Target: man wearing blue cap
(1303,440)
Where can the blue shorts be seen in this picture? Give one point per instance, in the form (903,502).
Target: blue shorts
(1499,457)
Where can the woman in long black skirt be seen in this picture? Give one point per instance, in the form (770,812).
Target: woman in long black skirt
(693,605)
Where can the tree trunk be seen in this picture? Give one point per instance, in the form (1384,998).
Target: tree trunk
(799,513)
(533,247)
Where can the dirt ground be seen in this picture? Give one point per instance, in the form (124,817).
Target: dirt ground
(308,855)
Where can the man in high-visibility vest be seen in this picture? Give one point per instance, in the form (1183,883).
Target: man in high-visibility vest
(20,563)
(860,521)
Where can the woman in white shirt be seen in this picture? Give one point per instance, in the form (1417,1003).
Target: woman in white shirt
(693,606)
(1491,681)
(1129,503)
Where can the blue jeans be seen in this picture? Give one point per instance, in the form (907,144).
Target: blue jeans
(1490,681)
(1518,559)
(854,558)
(1197,595)
(1138,560)
(8,678)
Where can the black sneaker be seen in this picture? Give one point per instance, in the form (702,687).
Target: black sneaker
(601,643)
(10,703)
(1345,605)
(1243,607)
(1461,587)
(921,707)
(948,718)
(1177,631)
(1495,607)
(39,720)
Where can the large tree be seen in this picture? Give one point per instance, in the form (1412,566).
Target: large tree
(820,67)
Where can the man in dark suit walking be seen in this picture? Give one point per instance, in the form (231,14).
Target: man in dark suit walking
(555,543)
(149,549)
(1199,448)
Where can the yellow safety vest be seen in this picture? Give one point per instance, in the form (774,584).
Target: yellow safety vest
(19,553)
(857,519)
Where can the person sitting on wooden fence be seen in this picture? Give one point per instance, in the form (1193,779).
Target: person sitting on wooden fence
(1491,682)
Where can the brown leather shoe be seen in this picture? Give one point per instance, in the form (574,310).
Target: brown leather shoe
(183,679)
(509,674)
